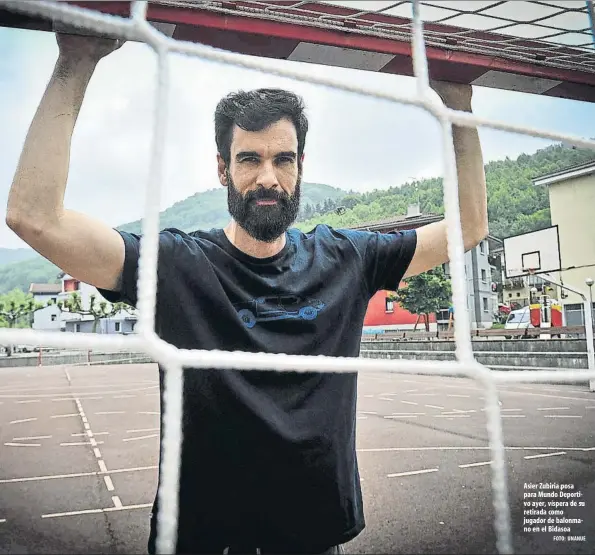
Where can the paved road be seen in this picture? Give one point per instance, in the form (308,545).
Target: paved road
(79,477)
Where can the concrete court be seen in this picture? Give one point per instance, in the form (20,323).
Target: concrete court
(79,447)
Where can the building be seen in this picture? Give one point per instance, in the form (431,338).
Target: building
(54,319)
(482,296)
(572,199)
(48,318)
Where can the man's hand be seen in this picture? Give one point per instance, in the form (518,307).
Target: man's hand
(74,46)
(455,95)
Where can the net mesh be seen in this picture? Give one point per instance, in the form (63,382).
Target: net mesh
(173,360)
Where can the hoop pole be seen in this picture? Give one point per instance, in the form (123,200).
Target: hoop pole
(588,326)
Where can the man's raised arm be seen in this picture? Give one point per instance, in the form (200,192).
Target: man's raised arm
(432,241)
(81,246)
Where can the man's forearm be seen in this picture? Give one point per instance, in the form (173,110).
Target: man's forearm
(37,192)
(472,185)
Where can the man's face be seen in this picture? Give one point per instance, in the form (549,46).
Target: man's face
(263,180)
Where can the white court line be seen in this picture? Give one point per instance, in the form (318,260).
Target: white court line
(435,407)
(412,473)
(87,433)
(108,483)
(425,394)
(384,399)
(561,416)
(359,412)
(590,407)
(410,403)
(30,438)
(554,408)
(102,466)
(397,416)
(23,420)
(97,453)
(411,390)
(10,444)
(64,415)
(123,396)
(140,437)
(513,415)
(455,395)
(2,520)
(357,418)
(545,455)
(111,412)
(451,416)
(461,448)
(30,401)
(141,430)
(117,502)
(96,511)
(509,410)
(79,443)
(148,412)
(471,465)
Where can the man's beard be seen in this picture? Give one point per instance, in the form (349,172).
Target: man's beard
(265,222)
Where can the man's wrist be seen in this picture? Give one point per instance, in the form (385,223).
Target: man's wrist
(75,65)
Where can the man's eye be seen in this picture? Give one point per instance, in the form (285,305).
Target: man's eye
(250,159)
(285,160)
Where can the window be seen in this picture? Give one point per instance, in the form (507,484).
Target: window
(482,247)
(117,326)
(484,275)
(53,317)
(485,304)
(388,305)
(77,327)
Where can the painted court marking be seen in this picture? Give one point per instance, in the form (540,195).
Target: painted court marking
(23,420)
(412,473)
(545,455)
(471,465)
(96,511)
(140,437)
(103,470)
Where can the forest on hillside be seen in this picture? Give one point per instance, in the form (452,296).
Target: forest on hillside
(515,206)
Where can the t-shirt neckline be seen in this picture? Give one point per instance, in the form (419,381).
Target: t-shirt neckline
(237,253)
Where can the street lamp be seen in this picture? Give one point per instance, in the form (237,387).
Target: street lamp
(589,281)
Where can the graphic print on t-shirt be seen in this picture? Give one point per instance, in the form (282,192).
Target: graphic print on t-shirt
(278,307)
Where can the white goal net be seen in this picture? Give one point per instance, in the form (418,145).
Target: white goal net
(173,360)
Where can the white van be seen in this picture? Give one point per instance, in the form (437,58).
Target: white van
(518,320)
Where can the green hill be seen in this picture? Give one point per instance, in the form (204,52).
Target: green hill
(514,205)
(8,256)
(209,209)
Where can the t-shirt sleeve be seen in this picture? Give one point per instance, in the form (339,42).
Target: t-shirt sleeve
(386,257)
(128,285)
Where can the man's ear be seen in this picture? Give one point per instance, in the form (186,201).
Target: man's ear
(221,170)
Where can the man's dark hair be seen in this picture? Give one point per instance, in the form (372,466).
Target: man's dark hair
(256,110)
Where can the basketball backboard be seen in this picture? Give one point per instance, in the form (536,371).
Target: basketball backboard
(535,252)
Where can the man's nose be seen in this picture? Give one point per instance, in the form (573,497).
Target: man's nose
(267,177)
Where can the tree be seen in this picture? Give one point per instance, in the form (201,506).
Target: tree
(14,307)
(98,310)
(425,294)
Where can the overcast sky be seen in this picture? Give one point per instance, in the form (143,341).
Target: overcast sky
(353,143)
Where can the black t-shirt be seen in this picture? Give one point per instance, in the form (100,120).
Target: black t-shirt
(268,458)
